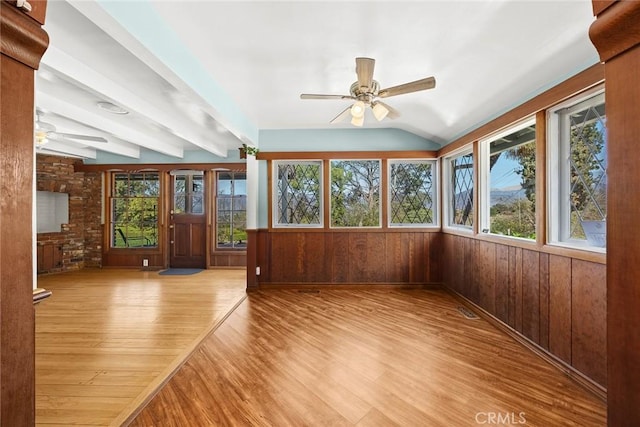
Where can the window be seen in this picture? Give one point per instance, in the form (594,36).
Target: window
(134,210)
(412,193)
(231,210)
(578,196)
(459,172)
(298,193)
(188,192)
(509,171)
(355,193)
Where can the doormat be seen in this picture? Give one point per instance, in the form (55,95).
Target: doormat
(180,271)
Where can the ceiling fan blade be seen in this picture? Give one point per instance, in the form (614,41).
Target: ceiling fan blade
(342,115)
(316,96)
(364,70)
(81,137)
(418,85)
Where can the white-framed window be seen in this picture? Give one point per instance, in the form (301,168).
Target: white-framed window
(508,182)
(458,189)
(297,193)
(578,172)
(412,193)
(355,193)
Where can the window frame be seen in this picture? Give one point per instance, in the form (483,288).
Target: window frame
(559,211)
(380,194)
(111,197)
(216,211)
(435,182)
(447,206)
(484,184)
(275,204)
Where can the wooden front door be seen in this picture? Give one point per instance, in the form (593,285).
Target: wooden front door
(187,221)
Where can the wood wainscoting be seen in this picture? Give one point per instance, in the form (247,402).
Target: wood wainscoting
(557,302)
(350,257)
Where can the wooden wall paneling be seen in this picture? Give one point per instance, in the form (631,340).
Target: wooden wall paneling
(459,264)
(375,254)
(588,319)
(434,258)
(512,288)
(560,307)
(317,257)
(279,263)
(544,301)
(264,255)
(470,277)
(486,269)
(401,255)
(357,256)
(531,295)
(341,260)
(502,283)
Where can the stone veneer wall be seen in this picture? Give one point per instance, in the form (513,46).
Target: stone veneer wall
(81,238)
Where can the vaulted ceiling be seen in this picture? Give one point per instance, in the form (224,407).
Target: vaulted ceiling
(199,78)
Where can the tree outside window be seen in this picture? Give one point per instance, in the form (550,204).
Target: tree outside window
(411,193)
(355,193)
(134,210)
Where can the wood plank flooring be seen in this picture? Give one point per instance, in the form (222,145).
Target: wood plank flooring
(365,358)
(107,338)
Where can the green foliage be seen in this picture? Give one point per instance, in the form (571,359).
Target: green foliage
(355,193)
(299,193)
(516,219)
(135,210)
(411,200)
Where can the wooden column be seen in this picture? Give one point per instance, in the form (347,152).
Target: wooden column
(23,42)
(616,35)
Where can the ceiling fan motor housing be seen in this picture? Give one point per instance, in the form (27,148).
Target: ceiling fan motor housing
(363,93)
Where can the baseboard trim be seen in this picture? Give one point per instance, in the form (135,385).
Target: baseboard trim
(346,286)
(580,378)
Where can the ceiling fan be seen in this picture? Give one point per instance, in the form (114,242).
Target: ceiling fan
(366,91)
(45,132)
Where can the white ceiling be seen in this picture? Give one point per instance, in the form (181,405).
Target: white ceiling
(206,76)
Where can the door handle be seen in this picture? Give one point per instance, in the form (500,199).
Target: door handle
(171,242)
(171,226)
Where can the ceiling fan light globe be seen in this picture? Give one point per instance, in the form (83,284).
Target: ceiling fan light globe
(357,110)
(379,111)
(357,121)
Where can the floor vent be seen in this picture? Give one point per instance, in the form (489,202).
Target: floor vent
(309,291)
(467,313)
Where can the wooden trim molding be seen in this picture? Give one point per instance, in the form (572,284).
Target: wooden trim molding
(616,36)
(576,84)
(600,5)
(338,155)
(22,43)
(23,39)
(616,30)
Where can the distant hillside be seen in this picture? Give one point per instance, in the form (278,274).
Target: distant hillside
(506,195)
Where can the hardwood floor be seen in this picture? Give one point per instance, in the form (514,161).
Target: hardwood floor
(107,338)
(365,358)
